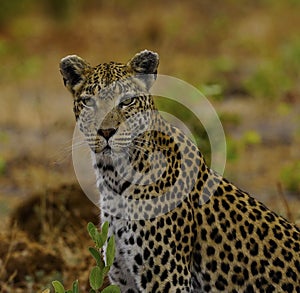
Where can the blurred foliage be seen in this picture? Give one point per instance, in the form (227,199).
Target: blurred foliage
(58,9)
(232,149)
(236,146)
(284,108)
(290,60)
(211,90)
(276,75)
(230,119)
(268,82)
(290,176)
(61,9)
(4,48)
(28,67)
(228,48)
(251,138)
(10,8)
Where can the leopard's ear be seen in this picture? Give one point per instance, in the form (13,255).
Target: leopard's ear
(145,64)
(74,71)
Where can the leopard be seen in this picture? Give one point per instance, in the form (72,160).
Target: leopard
(179,226)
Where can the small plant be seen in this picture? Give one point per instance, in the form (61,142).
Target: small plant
(102,267)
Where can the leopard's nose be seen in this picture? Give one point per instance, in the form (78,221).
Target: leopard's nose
(107,133)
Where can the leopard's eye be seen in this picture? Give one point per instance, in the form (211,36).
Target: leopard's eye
(89,102)
(127,101)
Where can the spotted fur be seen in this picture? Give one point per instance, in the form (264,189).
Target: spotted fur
(179,226)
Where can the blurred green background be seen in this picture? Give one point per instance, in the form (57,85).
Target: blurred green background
(243,55)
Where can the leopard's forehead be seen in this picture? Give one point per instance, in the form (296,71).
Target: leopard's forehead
(105,76)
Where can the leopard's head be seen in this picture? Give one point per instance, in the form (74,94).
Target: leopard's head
(112,104)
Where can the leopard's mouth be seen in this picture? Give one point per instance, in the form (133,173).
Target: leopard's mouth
(107,150)
(97,150)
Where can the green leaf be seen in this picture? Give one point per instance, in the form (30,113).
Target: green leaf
(104,228)
(100,240)
(106,270)
(75,287)
(96,255)
(58,287)
(96,278)
(102,236)
(110,251)
(92,230)
(111,289)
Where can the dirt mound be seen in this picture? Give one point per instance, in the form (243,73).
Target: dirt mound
(55,212)
(48,240)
